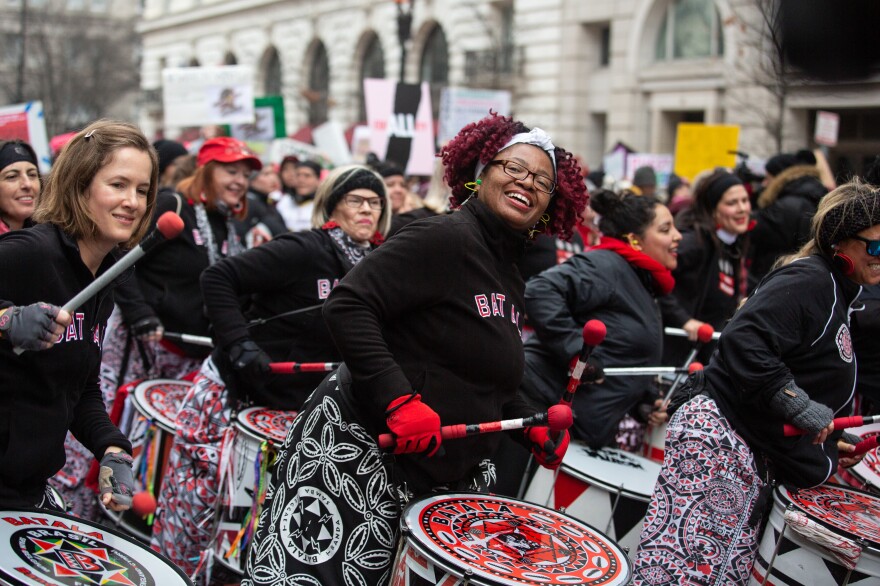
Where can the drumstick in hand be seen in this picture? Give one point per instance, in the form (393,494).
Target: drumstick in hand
(557,418)
(168,226)
(296,367)
(593,334)
(790,430)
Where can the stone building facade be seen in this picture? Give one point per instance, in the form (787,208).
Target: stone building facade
(592,72)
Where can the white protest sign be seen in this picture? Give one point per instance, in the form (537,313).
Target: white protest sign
(461,106)
(196,96)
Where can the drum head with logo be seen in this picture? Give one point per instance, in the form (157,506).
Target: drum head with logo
(848,511)
(160,400)
(509,542)
(265,423)
(613,469)
(41,547)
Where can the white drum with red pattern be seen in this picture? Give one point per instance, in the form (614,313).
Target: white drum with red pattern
(483,540)
(609,489)
(848,514)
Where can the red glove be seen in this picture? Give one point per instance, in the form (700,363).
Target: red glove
(547,451)
(415,426)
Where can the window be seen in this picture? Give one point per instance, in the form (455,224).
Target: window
(605,46)
(319,85)
(372,66)
(690,29)
(230,59)
(435,66)
(272,80)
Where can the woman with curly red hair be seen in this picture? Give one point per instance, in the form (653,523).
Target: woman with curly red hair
(429,328)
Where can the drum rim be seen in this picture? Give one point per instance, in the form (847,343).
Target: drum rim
(244,426)
(592,480)
(99,527)
(147,411)
(874,546)
(419,546)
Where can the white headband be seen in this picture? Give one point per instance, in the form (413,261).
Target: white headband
(535,136)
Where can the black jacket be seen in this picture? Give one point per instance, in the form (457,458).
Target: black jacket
(866,342)
(782,222)
(794,327)
(45,393)
(168,277)
(293,271)
(597,284)
(709,281)
(437,309)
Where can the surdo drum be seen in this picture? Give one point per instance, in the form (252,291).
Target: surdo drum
(866,474)
(150,427)
(484,540)
(39,548)
(609,489)
(258,431)
(821,521)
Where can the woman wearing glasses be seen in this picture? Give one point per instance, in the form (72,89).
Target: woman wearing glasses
(429,328)
(294,271)
(785,357)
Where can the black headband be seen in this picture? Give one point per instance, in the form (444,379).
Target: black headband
(359,178)
(715,190)
(14,152)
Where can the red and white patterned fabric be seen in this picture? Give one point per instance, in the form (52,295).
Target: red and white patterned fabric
(697,529)
(185,516)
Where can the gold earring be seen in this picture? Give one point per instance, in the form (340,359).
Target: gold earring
(633,241)
(545,219)
(473,186)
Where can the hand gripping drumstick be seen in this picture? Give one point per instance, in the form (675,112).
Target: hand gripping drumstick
(593,334)
(295,367)
(557,418)
(168,226)
(790,430)
(705,333)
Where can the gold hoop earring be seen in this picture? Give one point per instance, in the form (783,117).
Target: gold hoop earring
(473,186)
(535,230)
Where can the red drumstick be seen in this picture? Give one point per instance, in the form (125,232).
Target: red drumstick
(863,447)
(790,430)
(704,335)
(295,367)
(557,418)
(593,334)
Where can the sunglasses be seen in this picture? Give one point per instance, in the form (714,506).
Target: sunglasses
(872,247)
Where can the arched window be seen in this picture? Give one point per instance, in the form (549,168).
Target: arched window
(372,66)
(435,65)
(230,59)
(272,73)
(319,85)
(690,29)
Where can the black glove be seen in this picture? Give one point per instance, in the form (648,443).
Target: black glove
(594,371)
(30,327)
(144,327)
(251,364)
(793,404)
(115,477)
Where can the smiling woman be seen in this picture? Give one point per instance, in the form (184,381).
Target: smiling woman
(97,200)
(19,184)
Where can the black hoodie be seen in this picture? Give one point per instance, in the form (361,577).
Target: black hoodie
(45,393)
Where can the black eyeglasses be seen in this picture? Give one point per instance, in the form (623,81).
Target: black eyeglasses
(517,171)
(356,201)
(872,247)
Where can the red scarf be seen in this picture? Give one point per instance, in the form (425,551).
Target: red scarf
(662,277)
(375,240)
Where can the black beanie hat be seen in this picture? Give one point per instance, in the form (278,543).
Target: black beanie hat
(315,167)
(857,213)
(716,189)
(779,163)
(357,178)
(168,150)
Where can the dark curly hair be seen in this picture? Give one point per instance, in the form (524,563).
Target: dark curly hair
(481,141)
(623,213)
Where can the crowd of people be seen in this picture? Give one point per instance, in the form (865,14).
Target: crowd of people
(462,307)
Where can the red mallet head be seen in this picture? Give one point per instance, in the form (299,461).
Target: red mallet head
(695,366)
(143,503)
(559,417)
(705,333)
(594,332)
(169,225)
